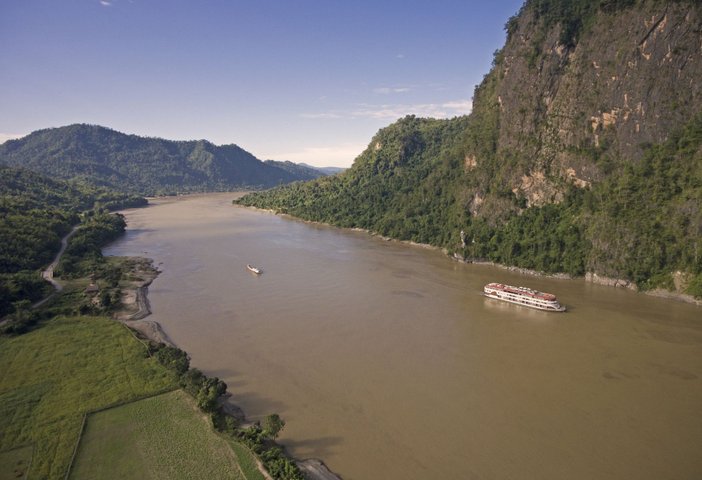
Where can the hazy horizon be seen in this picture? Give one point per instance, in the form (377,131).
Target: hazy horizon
(307,82)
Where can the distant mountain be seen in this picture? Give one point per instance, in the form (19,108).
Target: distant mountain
(143,165)
(325,170)
(304,172)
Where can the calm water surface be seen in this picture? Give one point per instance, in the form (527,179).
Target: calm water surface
(387,363)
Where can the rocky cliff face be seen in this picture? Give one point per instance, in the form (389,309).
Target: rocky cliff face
(572,114)
(583,153)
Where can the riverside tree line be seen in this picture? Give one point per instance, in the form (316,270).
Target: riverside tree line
(641,223)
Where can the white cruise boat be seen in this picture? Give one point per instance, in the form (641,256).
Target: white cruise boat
(523,296)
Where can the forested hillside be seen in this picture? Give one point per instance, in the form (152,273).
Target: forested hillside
(397,186)
(583,152)
(35,212)
(148,166)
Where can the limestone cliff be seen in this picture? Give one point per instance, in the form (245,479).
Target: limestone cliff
(583,153)
(573,113)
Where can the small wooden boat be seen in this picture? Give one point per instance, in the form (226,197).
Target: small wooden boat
(253,269)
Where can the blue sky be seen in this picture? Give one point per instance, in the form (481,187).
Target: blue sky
(308,81)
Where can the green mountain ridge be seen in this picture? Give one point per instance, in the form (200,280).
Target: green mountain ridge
(583,153)
(147,166)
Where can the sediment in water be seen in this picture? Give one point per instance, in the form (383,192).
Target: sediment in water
(589,276)
(137,307)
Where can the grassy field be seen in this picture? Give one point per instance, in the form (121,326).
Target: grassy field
(162,437)
(247,461)
(15,463)
(51,376)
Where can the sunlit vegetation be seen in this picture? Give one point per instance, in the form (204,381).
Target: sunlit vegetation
(84,363)
(35,212)
(257,438)
(642,223)
(573,16)
(51,376)
(147,166)
(402,186)
(162,437)
(83,256)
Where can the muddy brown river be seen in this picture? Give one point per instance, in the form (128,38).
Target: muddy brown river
(387,363)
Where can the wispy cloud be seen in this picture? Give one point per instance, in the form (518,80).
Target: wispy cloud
(435,110)
(459,105)
(9,136)
(400,55)
(447,109)
(320,115)
(327,156)
(388,90)
(105,3)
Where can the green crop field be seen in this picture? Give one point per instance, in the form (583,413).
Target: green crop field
(247,461)
(51,376)
(15,463)
(162,437)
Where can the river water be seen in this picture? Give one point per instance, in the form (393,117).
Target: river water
(387,363)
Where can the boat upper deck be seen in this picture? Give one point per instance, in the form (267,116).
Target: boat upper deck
(549,297)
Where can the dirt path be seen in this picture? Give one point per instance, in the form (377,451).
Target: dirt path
(48,273)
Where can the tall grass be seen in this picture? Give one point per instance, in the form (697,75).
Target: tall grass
(162,437)
(51,376)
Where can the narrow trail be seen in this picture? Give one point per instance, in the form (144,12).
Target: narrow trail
(48,273)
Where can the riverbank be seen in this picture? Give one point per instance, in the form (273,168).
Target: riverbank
(135,301)
(347,335)
(678,296)
(135,309)
(593,278)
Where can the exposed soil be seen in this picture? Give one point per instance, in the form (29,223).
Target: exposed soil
(135,302)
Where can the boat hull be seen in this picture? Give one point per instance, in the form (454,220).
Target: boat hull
(523,297)
(255,270)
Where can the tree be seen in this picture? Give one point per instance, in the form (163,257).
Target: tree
(22,310)
(272,425)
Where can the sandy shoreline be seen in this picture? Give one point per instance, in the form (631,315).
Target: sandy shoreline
(136,308)
(135,302)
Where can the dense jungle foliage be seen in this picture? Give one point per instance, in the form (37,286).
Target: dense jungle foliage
(147,166)
(35,212)
(83,255)
(642,223)
(402,186)
(573,16)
